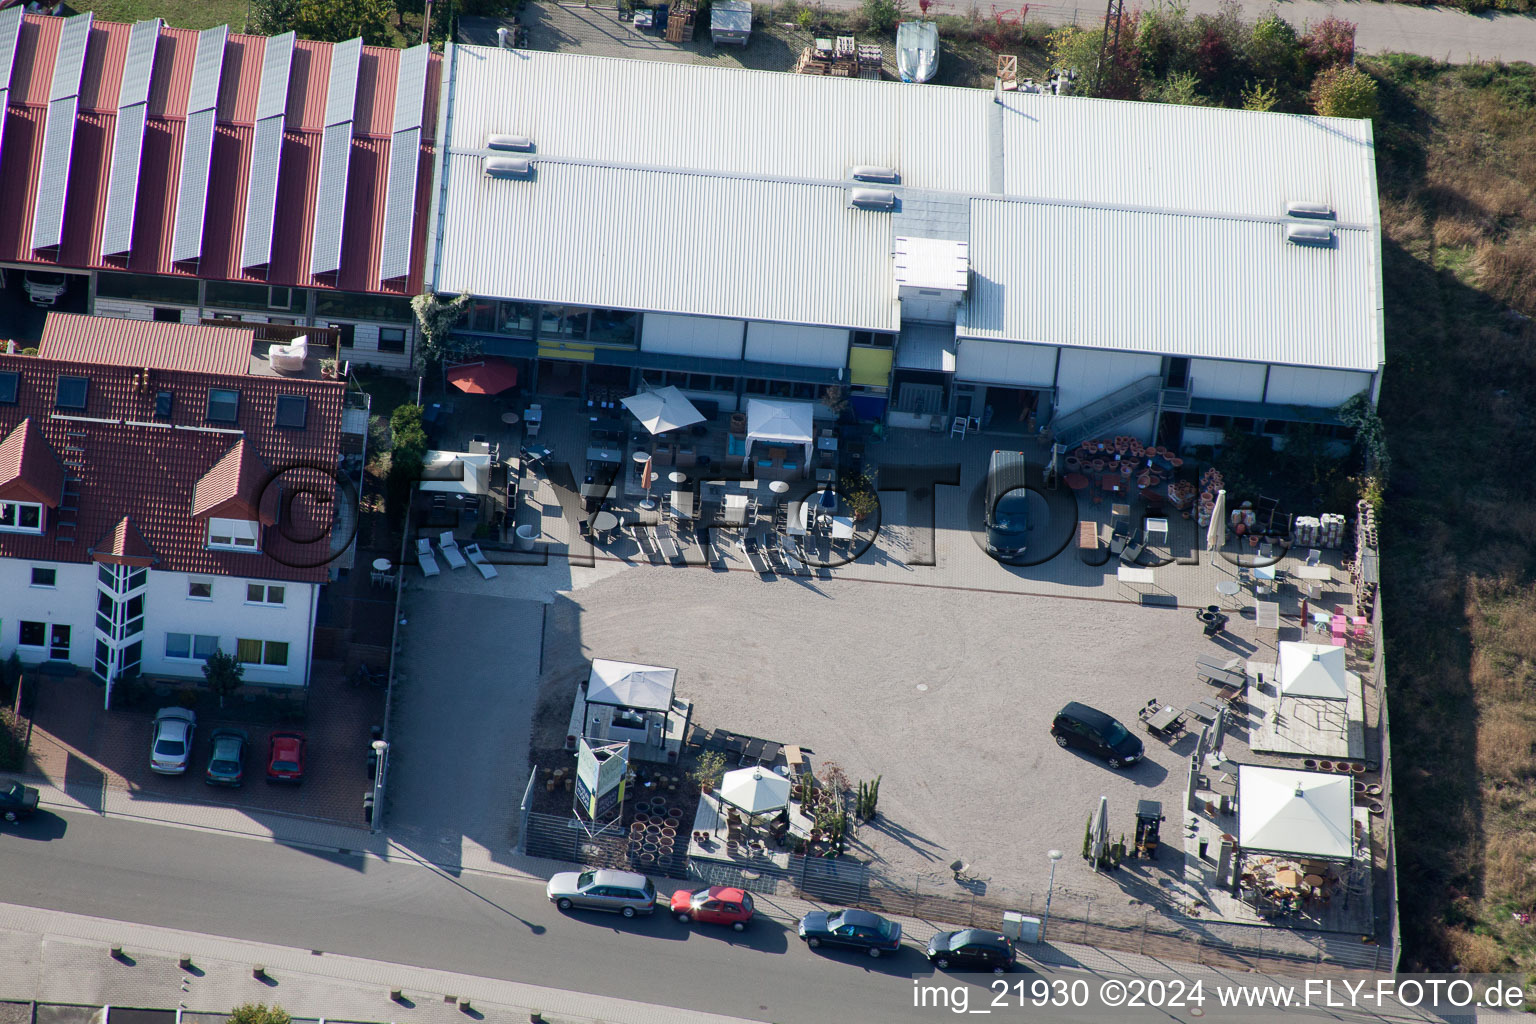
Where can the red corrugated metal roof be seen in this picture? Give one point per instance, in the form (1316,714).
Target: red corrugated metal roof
(241,82)
(308,81)
(172,80)
(32,67)
(160,162)
(113,341)
(104,57)
(149,474)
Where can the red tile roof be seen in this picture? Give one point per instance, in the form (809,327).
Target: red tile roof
(123,545)
(29,468)
(141,343)
(160,162)
(233,488)
(148,471)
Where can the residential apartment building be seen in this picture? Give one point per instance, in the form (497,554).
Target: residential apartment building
(160,500)
(1019,257)
(176,175)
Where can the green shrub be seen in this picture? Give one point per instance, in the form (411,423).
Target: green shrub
(881,16)
(1344,92)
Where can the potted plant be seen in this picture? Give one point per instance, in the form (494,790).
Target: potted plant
(710,770)
(328,369)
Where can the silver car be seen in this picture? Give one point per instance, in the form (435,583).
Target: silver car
(171,749)
(619,892)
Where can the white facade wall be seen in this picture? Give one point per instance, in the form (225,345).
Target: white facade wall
(1089,374)
(365,344)
(1007,363)
(1295,385)
(71,602)
(167,609)
(1224,378)
(707,336)
(128,309)
(797,346)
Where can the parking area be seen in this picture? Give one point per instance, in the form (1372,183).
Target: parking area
(22,319)
(79,746)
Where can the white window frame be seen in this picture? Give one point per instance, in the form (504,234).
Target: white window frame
(199,583)
(32,647)
(14,508)
(264,645)
(265,599)
(43,586)
(192,639)
(233,534)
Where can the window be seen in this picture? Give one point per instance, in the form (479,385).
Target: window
(270,653)
(344,333)
(8,382)
(239,534)
(279,298)
(33,634)
(391,339)
(227,316)
(292,411)
(43,577)
(877,339)
(58,649)
(482,315)
(616,325)
(147,288)
(517,318)
(258,593)
(223,405)
(164,401)
(286,321)
(167,315)
(563,322)
(21,517)
(199,590)
(71,392)
(192,646)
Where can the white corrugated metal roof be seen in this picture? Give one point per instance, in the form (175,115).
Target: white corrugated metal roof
(768,155)
(1172,284)
(667,242)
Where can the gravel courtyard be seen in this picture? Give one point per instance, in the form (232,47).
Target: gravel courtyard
(947,694)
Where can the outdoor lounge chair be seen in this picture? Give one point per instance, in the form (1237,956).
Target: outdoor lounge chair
(424,557)
(753,550)
(790,560)
(666,542)
(289,358)
(450,549)
(478,560)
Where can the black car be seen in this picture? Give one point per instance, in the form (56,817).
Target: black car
(17,801)
(226,764)
(857,929)
(971,949)
(1078,725)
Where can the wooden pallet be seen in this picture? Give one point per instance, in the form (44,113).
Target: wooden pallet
(1008,70)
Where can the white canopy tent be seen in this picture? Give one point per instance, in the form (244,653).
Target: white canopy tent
(1312,670)
(626,685)
(456,472)
(663,409)
(1305,814)
(755,790)
(780,422)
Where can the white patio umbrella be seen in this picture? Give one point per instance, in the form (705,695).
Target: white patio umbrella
(754,790)
(663,409)
(1217,530)
(1098,845)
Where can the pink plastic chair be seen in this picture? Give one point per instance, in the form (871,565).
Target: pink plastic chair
(1362,628)
(1338,639)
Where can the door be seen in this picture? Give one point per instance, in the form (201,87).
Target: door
(1176,372)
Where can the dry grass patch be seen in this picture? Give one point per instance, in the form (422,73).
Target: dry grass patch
(1478,954)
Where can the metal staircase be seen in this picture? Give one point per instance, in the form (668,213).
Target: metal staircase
(1137,397)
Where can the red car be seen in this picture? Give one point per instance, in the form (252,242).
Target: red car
(715,905)
(285,757)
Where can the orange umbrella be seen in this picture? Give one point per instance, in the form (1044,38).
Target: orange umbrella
(489,376)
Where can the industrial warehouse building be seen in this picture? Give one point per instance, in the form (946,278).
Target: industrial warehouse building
(1022,257)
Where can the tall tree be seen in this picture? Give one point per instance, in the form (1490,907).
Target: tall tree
(224,674)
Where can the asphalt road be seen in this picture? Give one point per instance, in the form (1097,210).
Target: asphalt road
(402,913)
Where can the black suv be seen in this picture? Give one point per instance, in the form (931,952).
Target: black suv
(971,949)
(1078,725)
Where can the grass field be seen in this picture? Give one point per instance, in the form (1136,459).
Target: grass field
(1458,192)
(178,13)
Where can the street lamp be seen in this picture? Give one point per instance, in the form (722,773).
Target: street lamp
(1055,856)
(381,750)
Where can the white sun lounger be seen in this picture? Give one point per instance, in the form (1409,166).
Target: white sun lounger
(424,557)
(478,560)
(450,549)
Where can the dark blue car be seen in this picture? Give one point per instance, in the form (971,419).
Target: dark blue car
(857,929)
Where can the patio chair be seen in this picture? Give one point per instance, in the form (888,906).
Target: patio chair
(1314,557)
(424,557)
(957,428)
(450,549)
(289,358)
(1361,628)
(478,560)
